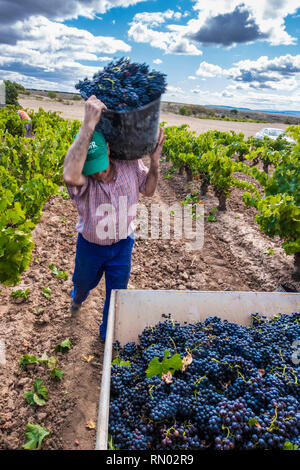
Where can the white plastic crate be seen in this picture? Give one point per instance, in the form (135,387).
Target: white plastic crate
(132,310)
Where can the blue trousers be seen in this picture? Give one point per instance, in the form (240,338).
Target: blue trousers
(91,261)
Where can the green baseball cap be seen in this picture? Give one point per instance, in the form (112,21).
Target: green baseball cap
(97,158)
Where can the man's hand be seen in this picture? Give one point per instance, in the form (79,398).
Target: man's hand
(77,152)
(155,156)
(92,111)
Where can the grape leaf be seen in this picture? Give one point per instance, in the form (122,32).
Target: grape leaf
(40,388)
(44,358)
(64,346)
(289,446)
(167,365)
(46,291)
(28,359)
(56,373)
(120,362)
(33,399)
(35,436)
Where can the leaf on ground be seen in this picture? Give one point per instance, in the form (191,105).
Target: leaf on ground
(44,359)
(87,358)
(35,436)
(41,389)
(64,346)
(91,424)
(51,362)
(28,359)
(46,291)
(56,373)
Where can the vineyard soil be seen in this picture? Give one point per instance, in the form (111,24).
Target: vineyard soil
(233,258)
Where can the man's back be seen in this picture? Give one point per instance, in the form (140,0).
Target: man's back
(111,205)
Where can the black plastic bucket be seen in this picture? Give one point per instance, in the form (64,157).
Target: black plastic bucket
(131,134)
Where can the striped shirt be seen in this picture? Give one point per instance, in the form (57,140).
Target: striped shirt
(107,211)
(23,114)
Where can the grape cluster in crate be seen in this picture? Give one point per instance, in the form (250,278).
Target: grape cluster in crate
(212,385)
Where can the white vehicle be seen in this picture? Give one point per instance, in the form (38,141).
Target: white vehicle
(273,133)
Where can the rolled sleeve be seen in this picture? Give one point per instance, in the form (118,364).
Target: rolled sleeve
(142,173)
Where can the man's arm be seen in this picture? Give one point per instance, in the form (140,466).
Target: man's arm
(76,155)
(152,177)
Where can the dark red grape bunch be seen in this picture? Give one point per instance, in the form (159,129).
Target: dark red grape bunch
(123,86)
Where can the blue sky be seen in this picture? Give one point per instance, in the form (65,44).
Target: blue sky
(240,53)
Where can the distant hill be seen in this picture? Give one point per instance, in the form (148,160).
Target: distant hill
(287,113)
(231,113)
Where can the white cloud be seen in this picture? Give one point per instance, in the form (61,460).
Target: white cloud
(280,73)
(209,70)
(157,61)
(54,50)
(34,82)
(156,18)
(172,89)
(169,42)
(266,18)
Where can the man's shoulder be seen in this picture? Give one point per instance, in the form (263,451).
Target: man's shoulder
(126,165)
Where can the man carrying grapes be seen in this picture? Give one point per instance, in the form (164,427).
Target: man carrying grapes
(105,193)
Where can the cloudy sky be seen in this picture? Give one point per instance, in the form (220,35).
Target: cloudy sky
(240,53)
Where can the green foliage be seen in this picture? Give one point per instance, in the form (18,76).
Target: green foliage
(167,365)
(57,273)
(279,216)
(28,359)
(120,362)
(110,443)
(212,215)
(50,363)
(14,125)
(63,347)
(51,94)
(46,291)
(39,396)
(208,157)
(20,293)
(290,446)
(30,172)
(279,207)
(185,111)
(35,435)
(11,92)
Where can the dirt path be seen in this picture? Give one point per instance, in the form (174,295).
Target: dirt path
(76,111)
